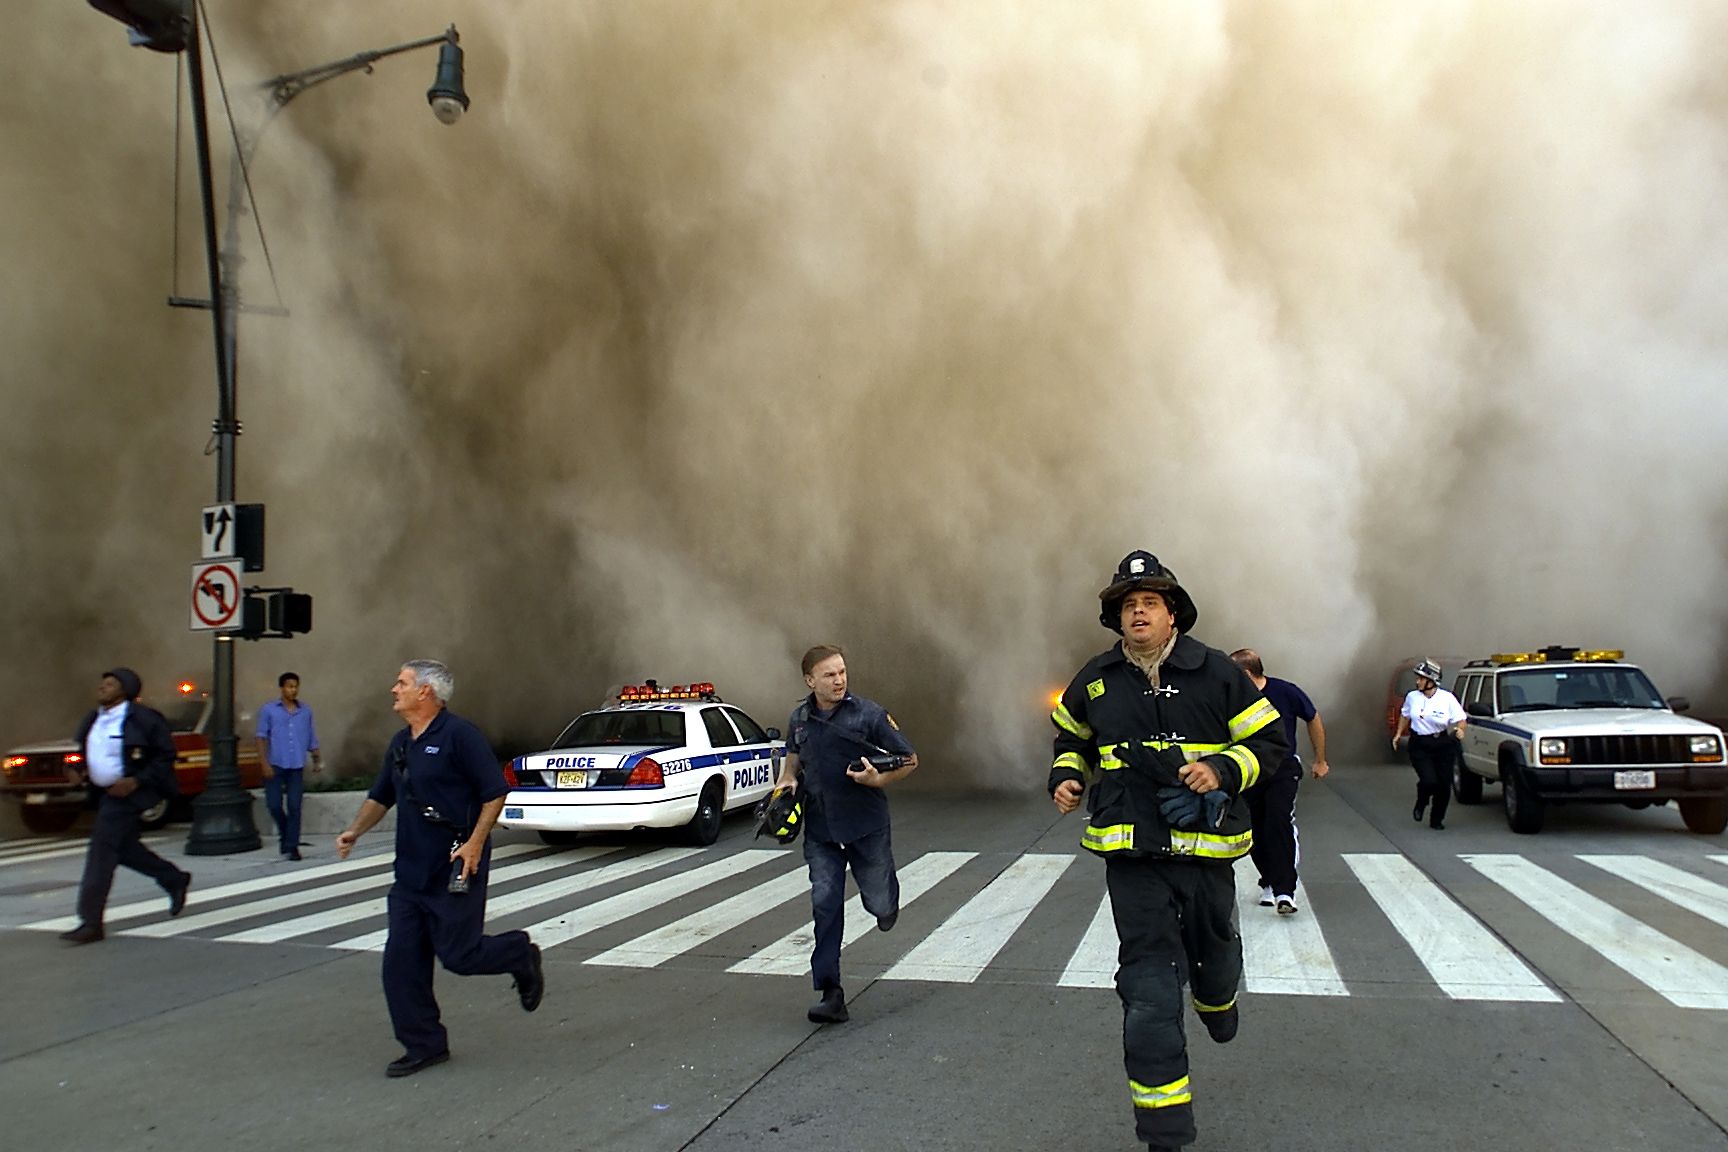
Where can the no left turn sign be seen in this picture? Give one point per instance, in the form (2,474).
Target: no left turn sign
(216,596)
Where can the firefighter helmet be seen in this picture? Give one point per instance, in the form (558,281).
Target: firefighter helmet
(780,814)
(1428,670)
(1141,570)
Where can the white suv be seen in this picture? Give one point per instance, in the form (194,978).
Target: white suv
(1563,725)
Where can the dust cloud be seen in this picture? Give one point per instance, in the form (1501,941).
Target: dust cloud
(712,332)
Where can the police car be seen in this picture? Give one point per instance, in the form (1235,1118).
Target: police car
(678,757)
(1562,724)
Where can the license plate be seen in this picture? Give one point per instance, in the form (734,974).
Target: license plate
(580,780)
(1638,779)
(513,814)
(36,798)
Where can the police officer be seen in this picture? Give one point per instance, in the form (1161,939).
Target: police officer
(833,737)
(129,757)
(1168,733)
(448,790)
(1433,722)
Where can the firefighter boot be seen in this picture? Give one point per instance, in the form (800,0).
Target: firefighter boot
(830,1010)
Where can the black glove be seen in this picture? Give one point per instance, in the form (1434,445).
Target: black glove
(1163,765)
(1180,807)
(1217,804)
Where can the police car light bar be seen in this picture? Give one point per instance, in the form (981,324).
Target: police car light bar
(1555,652)
(645,693)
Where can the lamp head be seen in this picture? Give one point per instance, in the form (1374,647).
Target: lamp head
(447,96)
(160,25)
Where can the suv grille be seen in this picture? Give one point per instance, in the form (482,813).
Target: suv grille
(1630,749)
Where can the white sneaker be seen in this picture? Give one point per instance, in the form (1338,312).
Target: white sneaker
(1286,905)
(1266,896)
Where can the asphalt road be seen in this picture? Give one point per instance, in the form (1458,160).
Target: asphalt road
(1460,989)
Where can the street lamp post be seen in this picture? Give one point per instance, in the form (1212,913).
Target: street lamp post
(222,814)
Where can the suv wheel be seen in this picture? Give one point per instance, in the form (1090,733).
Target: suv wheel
(1524,809)
(1467,786)
(1707,815)
(155,816)
(49,819)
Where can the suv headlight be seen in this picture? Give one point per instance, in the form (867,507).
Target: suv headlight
(1552,750)
(1706,748)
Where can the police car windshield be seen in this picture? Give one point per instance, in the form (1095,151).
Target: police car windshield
(1576,687)
(645,727)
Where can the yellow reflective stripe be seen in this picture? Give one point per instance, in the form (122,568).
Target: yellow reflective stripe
(1072,760)
(1247,762)
(1199,750)
(1115,838)
(1190,751)
(1210,845)
(1199,1007)
(1065,721)
(1252,718)
(1161,1096)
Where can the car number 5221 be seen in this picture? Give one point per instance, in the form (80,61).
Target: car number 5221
(572,779)
(1643,778)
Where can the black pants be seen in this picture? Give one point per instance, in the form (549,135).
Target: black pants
(1177,924)
(445,925)
(1433,757)
(115,841)
(1272,808)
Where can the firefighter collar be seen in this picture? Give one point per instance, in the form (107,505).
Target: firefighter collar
(1188,655)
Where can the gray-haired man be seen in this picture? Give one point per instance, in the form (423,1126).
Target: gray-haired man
(448,790)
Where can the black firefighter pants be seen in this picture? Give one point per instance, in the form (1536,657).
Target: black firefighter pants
(115,841)
(1176,920)
(445,925)
(1433,758)
(1272,808)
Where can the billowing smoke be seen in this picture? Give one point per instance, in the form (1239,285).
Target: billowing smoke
(713,332)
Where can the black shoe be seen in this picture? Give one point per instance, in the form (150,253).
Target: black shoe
(1436,824)
(177,896)
(83,934)
(1221,1026)
(1416,812)
(886,923)
(294,855)
(406,1065)
(832,1009)
(531,985)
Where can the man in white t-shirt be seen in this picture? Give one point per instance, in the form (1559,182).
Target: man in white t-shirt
(1433,721)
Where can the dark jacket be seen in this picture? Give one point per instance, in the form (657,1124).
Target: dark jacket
(147,754)
(1205,709)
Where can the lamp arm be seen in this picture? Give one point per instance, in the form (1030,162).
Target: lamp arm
(285,87)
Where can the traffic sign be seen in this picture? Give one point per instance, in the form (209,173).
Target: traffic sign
(217,525)
(216,595)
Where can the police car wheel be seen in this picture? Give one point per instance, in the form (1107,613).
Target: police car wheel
(1467,786)
(49,819)
(560,839)
(704,827)
(1525,811)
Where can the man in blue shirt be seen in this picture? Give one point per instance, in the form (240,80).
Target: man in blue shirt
(1272,800)
(286,738)
(440,774)
(831,739)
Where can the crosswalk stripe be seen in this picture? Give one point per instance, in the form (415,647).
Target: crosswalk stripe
(64,851)
(1093,964)
(375,908)
(1680,975)
(580,921)
(543,893)
(1466,960)
(1283,955)
(34,844)
(199,895)
(959,950)
(1693,893)
(680,936)
(790,955)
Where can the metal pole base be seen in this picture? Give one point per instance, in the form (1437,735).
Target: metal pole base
(222,823)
